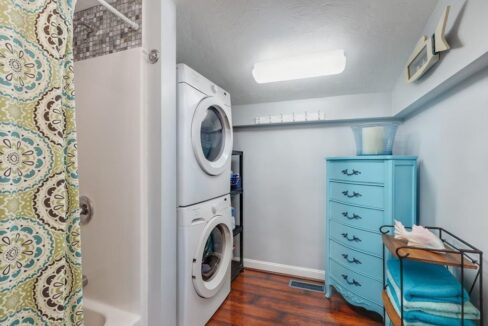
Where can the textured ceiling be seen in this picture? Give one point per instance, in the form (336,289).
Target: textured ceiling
(222,39)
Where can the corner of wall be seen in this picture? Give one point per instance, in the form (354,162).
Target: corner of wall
(468,54)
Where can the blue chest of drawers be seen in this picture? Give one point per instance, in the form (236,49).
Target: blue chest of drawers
(363,193)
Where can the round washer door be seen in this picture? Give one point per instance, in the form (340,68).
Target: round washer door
(213,256)
(212,135)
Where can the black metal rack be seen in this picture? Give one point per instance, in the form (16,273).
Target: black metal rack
(238,266)
(461,255)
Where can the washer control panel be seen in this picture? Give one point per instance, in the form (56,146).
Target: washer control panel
(202,212)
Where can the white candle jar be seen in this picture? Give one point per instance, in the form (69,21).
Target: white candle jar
(375,138)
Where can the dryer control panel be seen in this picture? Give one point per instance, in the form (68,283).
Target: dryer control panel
(191,77)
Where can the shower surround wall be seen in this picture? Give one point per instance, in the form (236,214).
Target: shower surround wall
(111,143)
(122,132)
(99,32)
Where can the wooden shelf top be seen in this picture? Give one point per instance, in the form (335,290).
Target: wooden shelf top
(390,310)
(424,255)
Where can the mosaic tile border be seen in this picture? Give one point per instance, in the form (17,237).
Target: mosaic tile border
(99,32)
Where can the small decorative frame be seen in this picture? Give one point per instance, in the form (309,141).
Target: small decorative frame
(426,52)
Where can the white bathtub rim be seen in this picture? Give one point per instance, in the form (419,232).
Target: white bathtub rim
(113,316)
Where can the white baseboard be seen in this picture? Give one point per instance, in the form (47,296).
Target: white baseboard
(311,273)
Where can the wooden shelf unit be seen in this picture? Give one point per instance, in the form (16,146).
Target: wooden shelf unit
(390,310)
(452,256)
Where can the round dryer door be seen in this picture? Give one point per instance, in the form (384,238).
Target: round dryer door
(212,135)
(213,257)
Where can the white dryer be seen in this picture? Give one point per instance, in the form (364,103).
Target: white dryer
(204,259)
(204,138)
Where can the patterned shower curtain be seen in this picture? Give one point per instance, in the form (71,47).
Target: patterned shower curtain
(40,259)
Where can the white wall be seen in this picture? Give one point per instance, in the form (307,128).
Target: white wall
(284,180)
(110,143)
(284,177)
(450,138)
(344,107)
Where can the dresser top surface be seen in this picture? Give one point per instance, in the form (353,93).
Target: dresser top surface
(372,157)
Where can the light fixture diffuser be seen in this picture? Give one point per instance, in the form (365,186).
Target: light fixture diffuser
(300,67)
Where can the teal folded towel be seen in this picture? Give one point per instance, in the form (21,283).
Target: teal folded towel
(427,282)
(418,317)
(448,310)
(431,294)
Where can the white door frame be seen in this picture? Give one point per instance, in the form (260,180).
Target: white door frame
(159,288)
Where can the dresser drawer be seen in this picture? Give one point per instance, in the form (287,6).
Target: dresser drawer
(365,218)
(361,285)
(357,171)
(356,239)
(357,261)
(371,196)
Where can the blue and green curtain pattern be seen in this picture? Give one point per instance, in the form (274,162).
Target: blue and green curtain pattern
(40,257)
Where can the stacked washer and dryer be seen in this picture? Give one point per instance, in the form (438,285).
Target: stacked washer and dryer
(204,210)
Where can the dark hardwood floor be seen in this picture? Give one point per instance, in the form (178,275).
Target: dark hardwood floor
(263,299)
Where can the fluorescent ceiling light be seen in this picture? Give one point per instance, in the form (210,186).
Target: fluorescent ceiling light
(306,66)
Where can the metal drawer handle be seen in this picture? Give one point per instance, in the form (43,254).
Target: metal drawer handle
(353,217)
(349,174)
(354,238)
(354,194)
(353,282)
(352,261)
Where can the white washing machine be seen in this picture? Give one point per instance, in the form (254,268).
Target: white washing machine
(204,259)
(204,138)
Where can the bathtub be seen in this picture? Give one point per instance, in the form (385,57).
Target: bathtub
(100,314)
